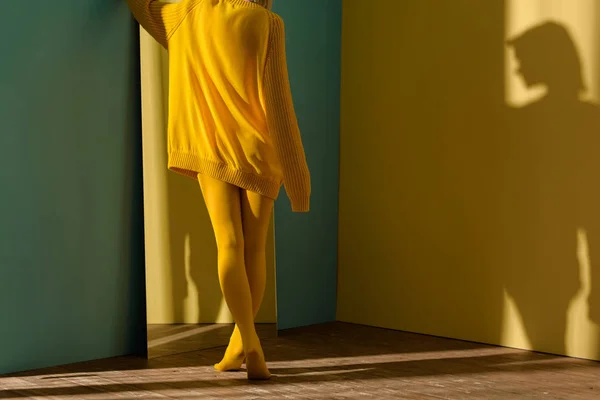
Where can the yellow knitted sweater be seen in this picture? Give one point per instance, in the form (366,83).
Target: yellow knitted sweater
(231,114)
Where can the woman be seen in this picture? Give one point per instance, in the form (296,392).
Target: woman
(233,127)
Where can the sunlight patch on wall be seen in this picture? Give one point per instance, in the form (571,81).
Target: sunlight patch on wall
(224,315)
(582,334)
(513,331)
(191,300)
(578,16)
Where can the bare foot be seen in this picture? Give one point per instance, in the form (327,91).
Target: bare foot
(256,365)
(234,355)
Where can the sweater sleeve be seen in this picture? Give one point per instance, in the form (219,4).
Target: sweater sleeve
(159,19)
(282,122)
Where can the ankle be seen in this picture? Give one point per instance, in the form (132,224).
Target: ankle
(252,345)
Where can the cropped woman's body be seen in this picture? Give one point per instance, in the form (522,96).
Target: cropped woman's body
(233,127)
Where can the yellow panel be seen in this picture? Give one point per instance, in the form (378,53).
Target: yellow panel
(461,207)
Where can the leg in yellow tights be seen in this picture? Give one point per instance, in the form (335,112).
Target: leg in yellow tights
(256,215)
(240,220)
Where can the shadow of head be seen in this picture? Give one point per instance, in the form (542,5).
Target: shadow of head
(547,55)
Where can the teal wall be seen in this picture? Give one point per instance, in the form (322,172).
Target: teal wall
(71,245)
(306,244)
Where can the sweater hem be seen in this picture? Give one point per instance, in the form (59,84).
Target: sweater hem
(191,165)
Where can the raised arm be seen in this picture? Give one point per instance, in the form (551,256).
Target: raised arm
(159,19)
(282,122)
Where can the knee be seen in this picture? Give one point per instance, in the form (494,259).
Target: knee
(230,243)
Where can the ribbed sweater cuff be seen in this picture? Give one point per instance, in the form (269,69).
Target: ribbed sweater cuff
(300,204)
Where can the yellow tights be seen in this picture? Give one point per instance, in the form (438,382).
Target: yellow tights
(240,220)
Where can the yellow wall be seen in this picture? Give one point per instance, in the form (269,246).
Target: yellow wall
(464,212)
(181,258)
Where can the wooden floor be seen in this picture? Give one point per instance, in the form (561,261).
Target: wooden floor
(332,361)
(164,340)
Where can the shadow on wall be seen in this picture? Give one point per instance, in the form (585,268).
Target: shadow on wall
(548,208)
(482,216)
